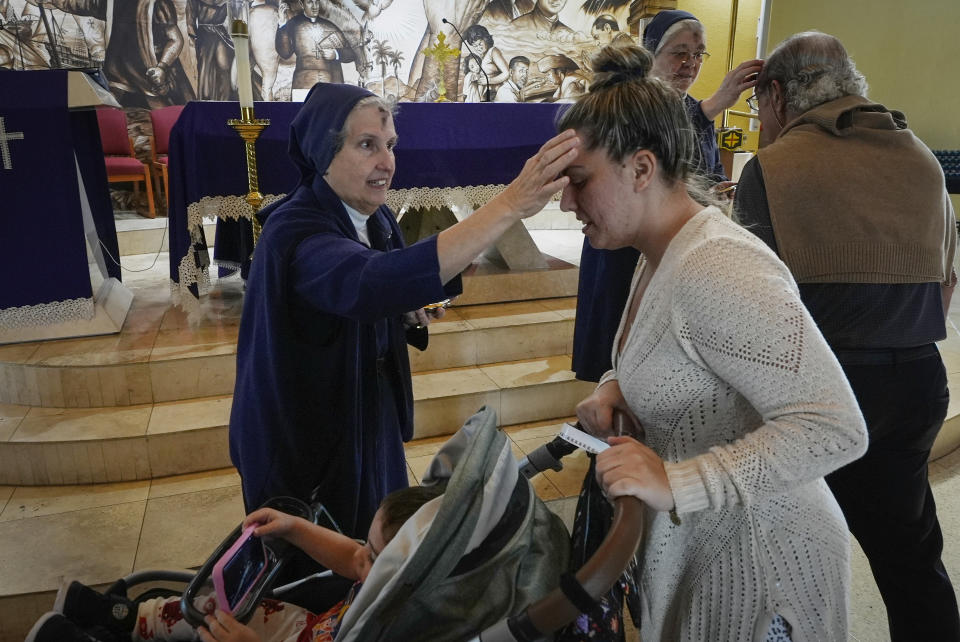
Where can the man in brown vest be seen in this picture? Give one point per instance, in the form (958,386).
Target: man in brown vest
(855,205)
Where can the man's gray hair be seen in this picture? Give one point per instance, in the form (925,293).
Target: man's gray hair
(812,68)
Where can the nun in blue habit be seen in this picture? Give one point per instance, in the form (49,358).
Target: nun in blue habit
(323,397)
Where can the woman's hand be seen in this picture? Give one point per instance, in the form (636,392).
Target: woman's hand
(595,413)
(541,177)
(630,468)
(738,80)
(271,522)
(725,189)
(221,627)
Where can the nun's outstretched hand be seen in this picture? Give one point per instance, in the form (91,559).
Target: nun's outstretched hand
(541,176)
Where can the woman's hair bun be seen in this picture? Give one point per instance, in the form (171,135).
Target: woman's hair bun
(615,64)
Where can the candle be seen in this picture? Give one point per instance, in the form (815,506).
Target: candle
(244,86)
(241,44)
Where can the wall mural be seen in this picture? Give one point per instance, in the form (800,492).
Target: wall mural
(164,52)
(156,53)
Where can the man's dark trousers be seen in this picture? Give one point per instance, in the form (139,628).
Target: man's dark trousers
(886,496)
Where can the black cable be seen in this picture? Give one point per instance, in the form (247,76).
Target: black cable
(486,78)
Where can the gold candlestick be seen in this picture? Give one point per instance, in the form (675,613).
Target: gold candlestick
(249,129)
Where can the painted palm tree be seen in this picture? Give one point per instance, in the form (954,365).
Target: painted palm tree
(381,54)
(396,59)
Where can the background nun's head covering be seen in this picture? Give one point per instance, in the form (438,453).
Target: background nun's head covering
(659,25)
(314,131)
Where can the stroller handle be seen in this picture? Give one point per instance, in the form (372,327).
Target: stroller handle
(596,577)
(600,572)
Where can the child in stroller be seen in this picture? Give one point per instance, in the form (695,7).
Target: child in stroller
(481,553)
(83,614)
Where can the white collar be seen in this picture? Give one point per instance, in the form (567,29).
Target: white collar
(359,222)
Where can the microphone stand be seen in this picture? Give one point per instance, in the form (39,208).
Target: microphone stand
(486,78)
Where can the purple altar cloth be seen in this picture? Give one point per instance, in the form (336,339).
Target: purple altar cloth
(440,145)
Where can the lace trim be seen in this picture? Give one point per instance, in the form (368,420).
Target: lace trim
(233,266)
(223,207)
(182,297)
(191,274)
(47,314)
(470,196)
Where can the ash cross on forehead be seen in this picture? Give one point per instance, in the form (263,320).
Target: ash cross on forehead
(5,146)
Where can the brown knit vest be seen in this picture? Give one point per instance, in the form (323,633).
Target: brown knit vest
(855,197)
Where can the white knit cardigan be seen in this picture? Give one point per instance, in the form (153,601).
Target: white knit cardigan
(746,404)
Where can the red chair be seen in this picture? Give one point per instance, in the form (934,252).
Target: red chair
(162,121)
(122,164)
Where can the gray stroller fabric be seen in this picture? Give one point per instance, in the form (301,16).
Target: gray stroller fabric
(478,554)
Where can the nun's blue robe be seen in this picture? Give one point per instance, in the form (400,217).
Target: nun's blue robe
(323,393)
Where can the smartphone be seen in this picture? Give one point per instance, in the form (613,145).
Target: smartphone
(238,570)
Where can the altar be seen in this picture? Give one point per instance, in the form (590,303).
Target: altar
(447,154)
(58,247)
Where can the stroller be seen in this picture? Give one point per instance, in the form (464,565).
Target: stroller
(483,561)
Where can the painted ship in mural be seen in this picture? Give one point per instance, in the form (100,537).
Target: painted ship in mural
(37,38)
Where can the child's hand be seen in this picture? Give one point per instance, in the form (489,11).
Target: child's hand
(221,627)
(270,522)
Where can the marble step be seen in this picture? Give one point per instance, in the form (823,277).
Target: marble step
(44,446)
(51,446)
(161,357)
(99,533)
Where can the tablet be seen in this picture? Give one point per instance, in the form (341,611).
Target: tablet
(237,571)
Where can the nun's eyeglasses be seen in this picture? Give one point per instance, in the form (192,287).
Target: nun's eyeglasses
(681,57)
(753,102)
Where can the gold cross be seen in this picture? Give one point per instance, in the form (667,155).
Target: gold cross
(441,52)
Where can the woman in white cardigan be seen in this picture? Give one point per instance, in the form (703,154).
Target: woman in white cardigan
(743,405)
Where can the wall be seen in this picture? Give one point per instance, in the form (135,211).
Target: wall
(905,51)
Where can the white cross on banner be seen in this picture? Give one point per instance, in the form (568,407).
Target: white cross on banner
(5,137)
